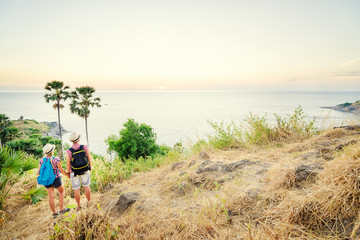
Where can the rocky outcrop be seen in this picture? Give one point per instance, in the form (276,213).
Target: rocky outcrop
(54,130)
(210,173)
(126,200)
(204,156)
(306,172)
(347,107)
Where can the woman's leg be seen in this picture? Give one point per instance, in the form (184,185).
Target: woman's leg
(61,190)
(51,198)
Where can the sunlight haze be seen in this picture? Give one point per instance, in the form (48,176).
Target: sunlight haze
(181,45)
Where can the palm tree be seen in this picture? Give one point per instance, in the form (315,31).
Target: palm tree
(58,93)
(82,100)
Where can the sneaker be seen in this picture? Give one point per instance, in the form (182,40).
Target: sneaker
(55,215)
(65,210)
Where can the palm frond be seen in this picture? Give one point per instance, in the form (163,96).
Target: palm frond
(29,163)
(35,194)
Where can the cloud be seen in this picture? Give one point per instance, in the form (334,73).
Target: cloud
(350,63)
(344,75)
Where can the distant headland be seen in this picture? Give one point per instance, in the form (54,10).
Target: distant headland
(347,107)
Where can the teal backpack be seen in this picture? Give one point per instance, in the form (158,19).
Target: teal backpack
(47,175)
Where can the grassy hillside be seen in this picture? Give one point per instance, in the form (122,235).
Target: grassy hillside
(28,126)
(301,189)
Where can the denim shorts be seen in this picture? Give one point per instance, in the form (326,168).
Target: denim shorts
(78,179)
(56,184)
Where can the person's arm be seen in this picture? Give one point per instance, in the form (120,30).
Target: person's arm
(38,170)
(62,170)
(89,156)
(67,158)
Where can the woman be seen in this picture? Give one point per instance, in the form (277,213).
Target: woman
(48,151)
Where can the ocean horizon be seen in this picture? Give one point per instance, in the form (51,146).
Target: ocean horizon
(178,116)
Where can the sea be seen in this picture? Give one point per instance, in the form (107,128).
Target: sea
(179,116)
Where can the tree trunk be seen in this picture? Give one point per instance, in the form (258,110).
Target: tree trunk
(61,150)
(86,129)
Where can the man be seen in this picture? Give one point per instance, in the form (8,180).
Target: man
(79,165)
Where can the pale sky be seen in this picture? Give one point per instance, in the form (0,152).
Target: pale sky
(181,45)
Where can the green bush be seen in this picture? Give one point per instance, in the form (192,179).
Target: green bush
(256,130)
(135,141)
(33,145)
(226,135)
(105,172)
(13,164)
(29,145)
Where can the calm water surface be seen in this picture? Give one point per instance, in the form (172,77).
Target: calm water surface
(176,116)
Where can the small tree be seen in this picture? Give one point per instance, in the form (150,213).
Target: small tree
(58,93)
(82,101)
(134,141)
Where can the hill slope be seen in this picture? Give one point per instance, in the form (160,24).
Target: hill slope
(307,190)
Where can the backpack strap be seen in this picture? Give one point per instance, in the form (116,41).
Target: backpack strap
(51,159)
(51,162)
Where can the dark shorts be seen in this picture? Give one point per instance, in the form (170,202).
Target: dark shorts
(57,183)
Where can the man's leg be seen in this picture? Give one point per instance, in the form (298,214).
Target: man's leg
(87,193)
(75,181)
(77,196)
(86,184)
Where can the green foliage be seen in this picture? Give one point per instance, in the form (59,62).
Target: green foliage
(13,164)
(35,194)
(226,135)
(259,131)
(58,93)
(105,172)
(7,132)
(344,104)
(135,141)
(82,100)
(32,145)
(256,130)
(29,145)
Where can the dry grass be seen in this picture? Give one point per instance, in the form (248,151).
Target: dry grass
(251,204)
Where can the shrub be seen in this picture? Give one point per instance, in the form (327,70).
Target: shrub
(33,145)
(13,164)
(226,135)
(258,131)
(135,141)
(29,145)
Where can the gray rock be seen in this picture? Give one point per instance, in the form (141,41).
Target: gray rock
(54,130)
(351,127)
(341,146)
(192,163)
(175,165)
(327,153)
(226,168)
(180,188)
(252,192)
(310,155)
(307,172)
(238,165)
(204,156)
(205,164)
(126,200)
